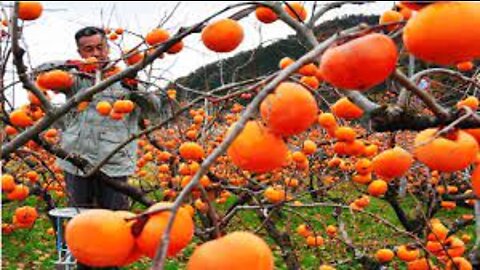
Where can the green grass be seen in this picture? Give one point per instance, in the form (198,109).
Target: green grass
(35,249)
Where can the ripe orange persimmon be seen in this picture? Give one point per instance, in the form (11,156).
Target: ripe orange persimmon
(311,81)
(104,108)
(290,110)
(223,35)
(296,10)
(345,134)
(8,183)
(29,10)
(361,63)
(265,14)
(458,263)
(363,166)
(392,163)
(309,147)
(384,255)
(465,66)
(99,238)
(180,235)
(176,48)
(132,57)
(235,251)
(308,70)
(123,106)
(475,179)
(55,80)
(391,16)
(9,130)
(459,36)
(407,254)
(257,149)
(303,230)
(313,241)
(471,102)
(274,195)
(32,176)
(327,120)
(377,188)
(285,62)
(191,151)
(20,118)
(157,36)
(19,193)
(26,214)
(437,153)
(344,108)
(420,264)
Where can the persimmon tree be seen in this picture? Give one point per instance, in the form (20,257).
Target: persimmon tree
(288,152)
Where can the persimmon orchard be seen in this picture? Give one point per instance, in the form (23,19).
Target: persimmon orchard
(337,160)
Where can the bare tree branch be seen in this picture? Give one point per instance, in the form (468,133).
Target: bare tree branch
(235,131)
(21,68)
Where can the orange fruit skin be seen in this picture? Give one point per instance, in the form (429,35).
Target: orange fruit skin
(191,151)
(290,110)
(265,15)
(9,130)
(311,81)
(444,33)
(133,57)
(20,118)
(459,263)
(235,251)
(391,16)
(99,238)
(327,120)
(420,264)
(377,188)
(29,10)
(384,255)
(176,48)
(465,66)
(180,236)
(346,109)
(475,132)
(392,163)
(123,106)
(157,36)
(8,183)
(443,154)
(475,178)
(19,193)
(26,214)
(223,35)
(298,11)
(360,63)
(407,255)
(258,150)
(285,62)
(56,80)
(104,108)
(471,102)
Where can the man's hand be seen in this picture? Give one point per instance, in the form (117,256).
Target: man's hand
(149,103)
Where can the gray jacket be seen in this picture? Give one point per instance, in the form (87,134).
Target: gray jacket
(94,136)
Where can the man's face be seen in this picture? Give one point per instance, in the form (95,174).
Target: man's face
(93,46)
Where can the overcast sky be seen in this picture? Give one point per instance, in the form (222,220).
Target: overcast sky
(51,37)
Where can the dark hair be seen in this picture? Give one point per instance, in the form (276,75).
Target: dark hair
(89,31)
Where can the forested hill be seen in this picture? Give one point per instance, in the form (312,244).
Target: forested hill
(262,60)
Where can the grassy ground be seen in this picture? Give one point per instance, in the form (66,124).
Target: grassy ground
(35,249)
